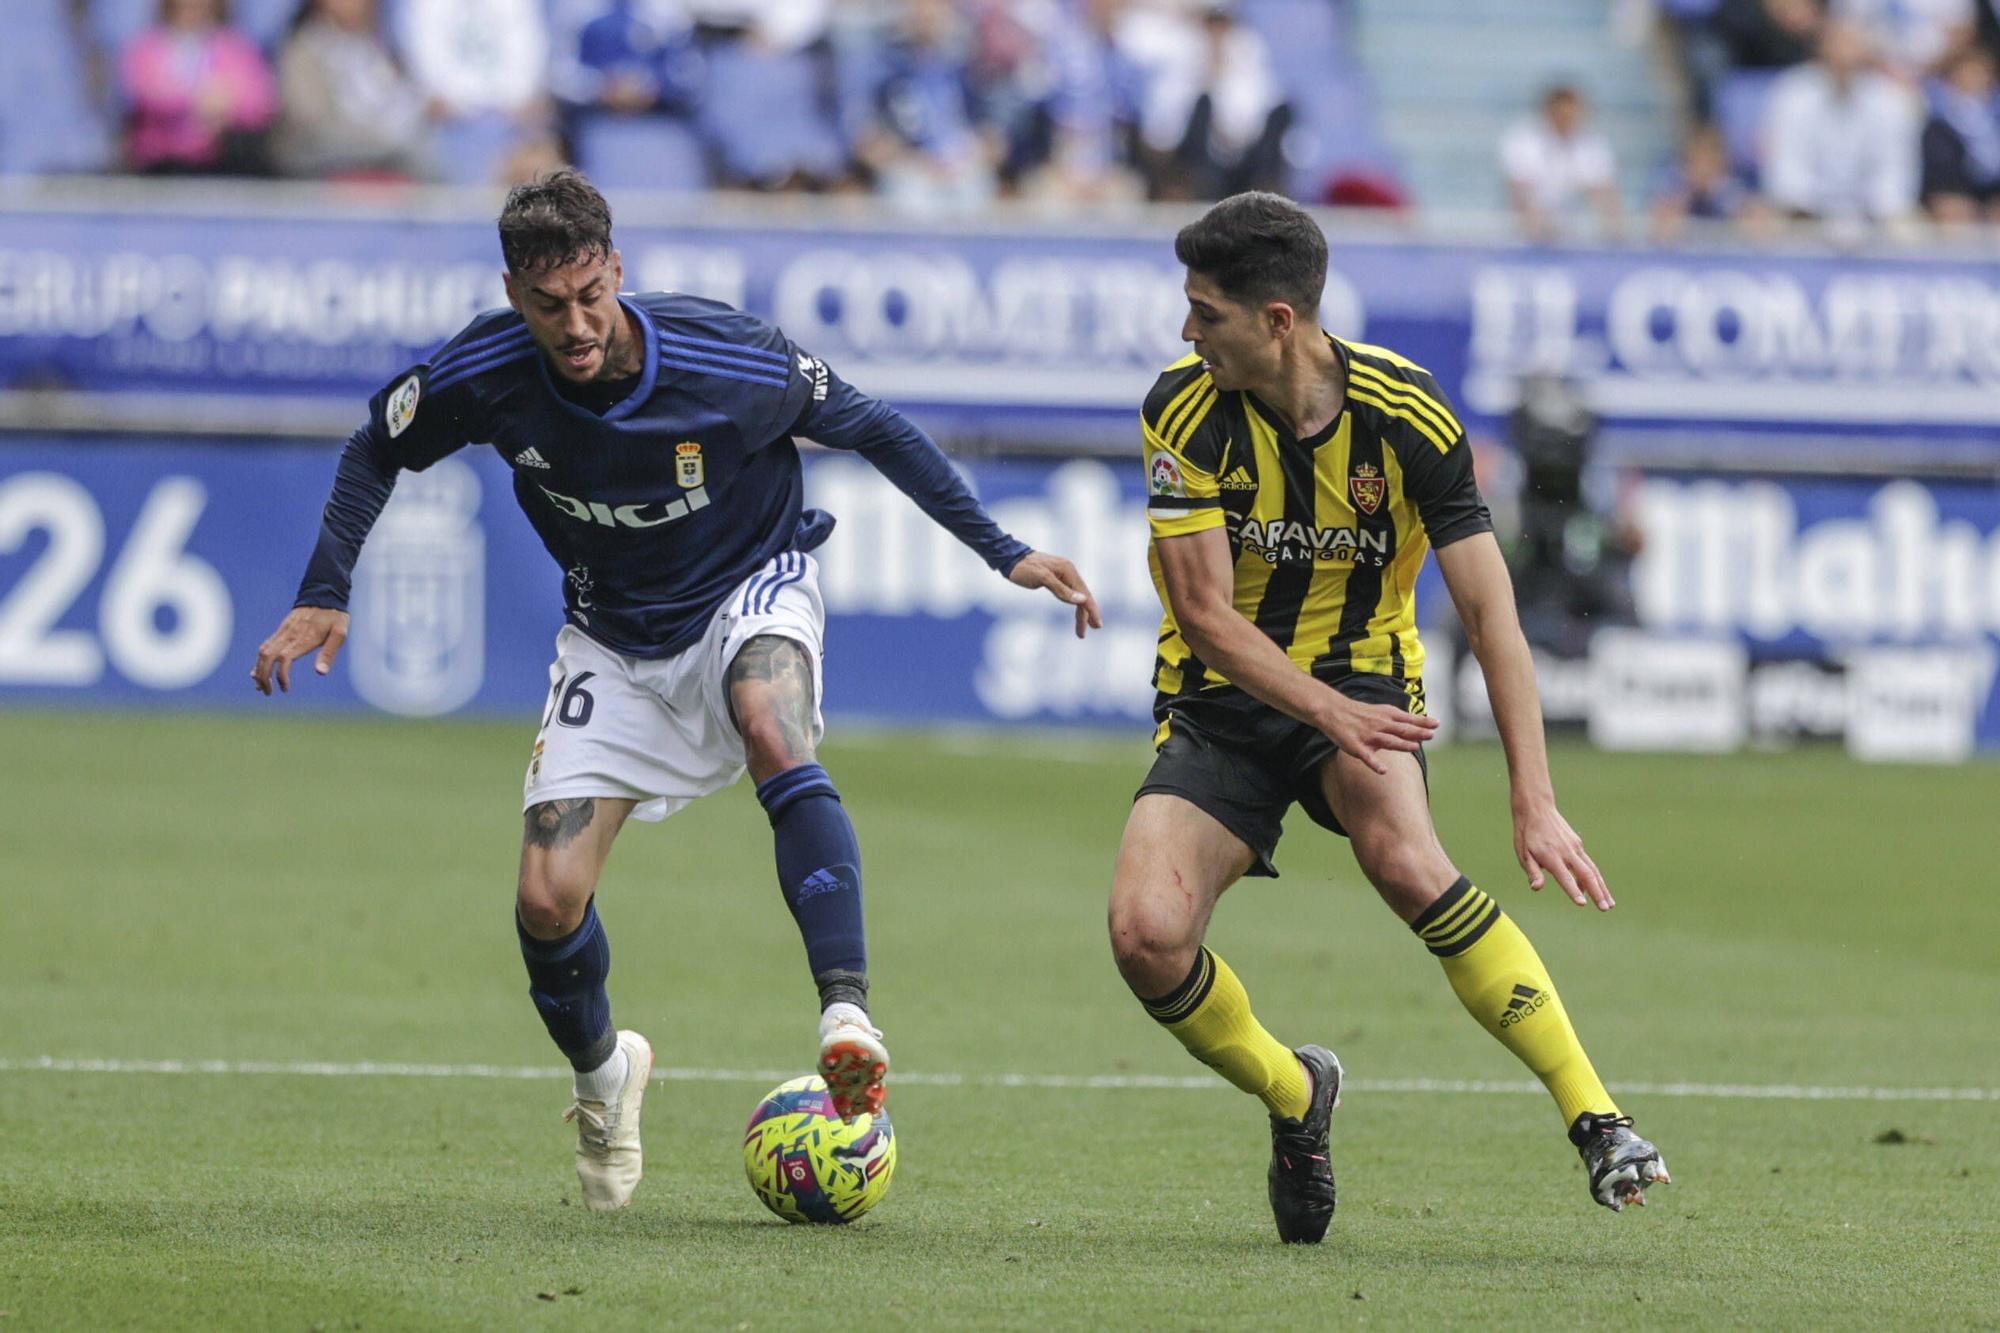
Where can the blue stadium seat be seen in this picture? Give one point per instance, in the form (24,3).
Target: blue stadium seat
(1308,38)
(1342,115)
(47,122)
(1740,100)
(116,22)
(640,152)
(1451,75)
(1334,120)
(860,64)
(470,149)
(763,115)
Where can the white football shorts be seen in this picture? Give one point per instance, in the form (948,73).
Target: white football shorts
(659,732)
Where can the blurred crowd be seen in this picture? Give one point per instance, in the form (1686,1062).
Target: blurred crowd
(1860,115)
(940,105)
(1866,116)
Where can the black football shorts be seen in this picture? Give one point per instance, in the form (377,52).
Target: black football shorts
(1244,763)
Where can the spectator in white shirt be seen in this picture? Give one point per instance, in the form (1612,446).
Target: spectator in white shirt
(1841,138)
(478,56)
(1553,162)
(1213,114)
(1913,37)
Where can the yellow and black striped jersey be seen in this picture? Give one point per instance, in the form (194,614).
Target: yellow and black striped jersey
(1328,532)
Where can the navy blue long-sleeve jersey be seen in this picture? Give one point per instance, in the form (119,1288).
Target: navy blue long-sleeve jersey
(661,504)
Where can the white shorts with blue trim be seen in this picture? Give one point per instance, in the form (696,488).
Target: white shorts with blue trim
(659,732)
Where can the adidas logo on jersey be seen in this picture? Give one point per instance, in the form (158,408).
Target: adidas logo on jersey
(1238,480)
(1524,1001)
(530,457)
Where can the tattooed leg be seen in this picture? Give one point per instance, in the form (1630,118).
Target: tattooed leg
(563,942)
(771,701)
(819,858)
(563,847)
(557,823)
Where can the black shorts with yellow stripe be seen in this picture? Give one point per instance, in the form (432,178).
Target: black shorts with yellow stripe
(1244,763)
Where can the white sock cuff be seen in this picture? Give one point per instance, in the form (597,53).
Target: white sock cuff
(603,1083)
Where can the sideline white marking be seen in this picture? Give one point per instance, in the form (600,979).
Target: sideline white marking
(1113,1082)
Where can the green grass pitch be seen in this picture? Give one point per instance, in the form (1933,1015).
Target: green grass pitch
(285,891)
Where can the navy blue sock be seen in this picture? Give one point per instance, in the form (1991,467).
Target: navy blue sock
(819,870)
(566,981)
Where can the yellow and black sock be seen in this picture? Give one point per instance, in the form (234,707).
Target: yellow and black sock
(1501,982)
(1209,1013)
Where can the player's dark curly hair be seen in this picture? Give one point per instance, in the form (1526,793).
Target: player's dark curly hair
(554,220)
(1258,247)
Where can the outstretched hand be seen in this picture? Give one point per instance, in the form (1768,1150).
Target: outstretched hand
(1038,569)
(306,629)
(1546,846)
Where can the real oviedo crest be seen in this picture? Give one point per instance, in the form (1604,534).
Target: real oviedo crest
(419,641)
(1368,486)
(688,470)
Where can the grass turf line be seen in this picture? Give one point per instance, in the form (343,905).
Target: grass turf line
(282,889)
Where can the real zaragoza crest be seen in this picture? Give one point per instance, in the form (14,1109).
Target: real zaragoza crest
(687,465)
(1367,485)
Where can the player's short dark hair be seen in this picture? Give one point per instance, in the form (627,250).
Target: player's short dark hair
(1258,247)
(554,220)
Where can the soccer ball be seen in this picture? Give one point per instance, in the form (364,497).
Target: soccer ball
(807,1165)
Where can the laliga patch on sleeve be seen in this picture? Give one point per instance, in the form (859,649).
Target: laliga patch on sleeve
(402,407)
(1166,476)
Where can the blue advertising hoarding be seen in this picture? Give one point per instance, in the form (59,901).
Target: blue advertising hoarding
(146,573)
(1026,335)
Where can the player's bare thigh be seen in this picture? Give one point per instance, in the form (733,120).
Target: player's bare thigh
(772,700)
(1174,863)
(563,847)
(1388,822)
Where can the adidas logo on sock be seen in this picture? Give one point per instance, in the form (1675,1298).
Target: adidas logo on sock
(1524,1001)
(820,881)
(530,457)
(1238,480)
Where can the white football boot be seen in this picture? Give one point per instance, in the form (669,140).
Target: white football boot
(607,1133)
(1622,1165)
(853,1061)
